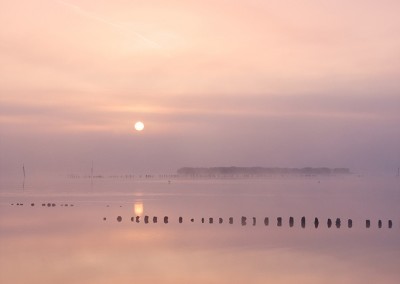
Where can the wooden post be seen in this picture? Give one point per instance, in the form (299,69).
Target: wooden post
(367,224)
(231,220)
(291,222)
(254,221)
(266,221)
(244,223)
(180,220)
(350,223)
(279,221)
(303,222)
(338,223)
(316,223)
(390,224)
(166,220)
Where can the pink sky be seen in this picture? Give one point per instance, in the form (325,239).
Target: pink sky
(268,83)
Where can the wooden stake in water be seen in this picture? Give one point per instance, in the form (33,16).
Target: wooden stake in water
(23,170)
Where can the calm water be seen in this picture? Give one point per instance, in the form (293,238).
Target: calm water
(85,243)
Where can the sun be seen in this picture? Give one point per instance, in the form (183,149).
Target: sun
(139,126)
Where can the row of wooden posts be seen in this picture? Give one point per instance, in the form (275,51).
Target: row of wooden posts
(253,221)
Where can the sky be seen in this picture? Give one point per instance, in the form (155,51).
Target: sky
(216,83)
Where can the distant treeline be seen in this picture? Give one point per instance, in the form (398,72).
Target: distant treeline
(257,171)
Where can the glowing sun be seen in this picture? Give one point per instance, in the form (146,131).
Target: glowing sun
(139,126)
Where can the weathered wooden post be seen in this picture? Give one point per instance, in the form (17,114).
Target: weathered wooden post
(350,223)
(266,221)
(137,219)
(211,220)
(367,224)
(329,222)
(180,220)
(202,220)
(244,223)
(119,218)
(291,222)
(132,219)
(254,221)
(231,220)
(380,224)
(316,223)
(155,220)
(166,220)
(279,221)
(390,224)
(220,220)
(303,222)
(338,223)
(146,219)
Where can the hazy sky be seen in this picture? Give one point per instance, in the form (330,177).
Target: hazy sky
(216,83)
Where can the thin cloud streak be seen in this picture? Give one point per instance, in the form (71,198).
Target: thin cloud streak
(117,26)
